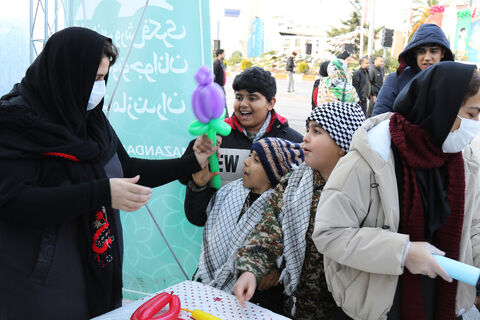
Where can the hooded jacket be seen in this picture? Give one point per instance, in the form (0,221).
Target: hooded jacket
(408,68)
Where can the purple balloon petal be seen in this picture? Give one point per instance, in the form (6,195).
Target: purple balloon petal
(203,76)
(198,105)
(218,101)
(208,99)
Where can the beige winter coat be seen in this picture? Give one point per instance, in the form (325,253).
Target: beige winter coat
(356,226)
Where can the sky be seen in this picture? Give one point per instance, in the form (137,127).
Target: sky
(391,13)
(324,12)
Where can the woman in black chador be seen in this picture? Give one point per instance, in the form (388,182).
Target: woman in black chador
(62,183)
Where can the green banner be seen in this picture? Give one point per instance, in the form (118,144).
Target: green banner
(150,112)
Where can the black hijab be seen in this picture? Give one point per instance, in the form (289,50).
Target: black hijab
(433,97)
(430,104)
(431,101)
(45,118)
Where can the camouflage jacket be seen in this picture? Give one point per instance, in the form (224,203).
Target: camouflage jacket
(265,245)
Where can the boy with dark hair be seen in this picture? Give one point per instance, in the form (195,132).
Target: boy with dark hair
(428,46)
(254,118)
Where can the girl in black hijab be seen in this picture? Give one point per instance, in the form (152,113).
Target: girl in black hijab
(62,183)
(408,190)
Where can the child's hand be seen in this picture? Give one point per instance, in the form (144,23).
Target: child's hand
(203,176)
(244,288)
(203,149)
(269,280)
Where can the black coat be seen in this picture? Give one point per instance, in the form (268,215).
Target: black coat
(361,82)
(42,274)
(219,72)
(60,239)
(376,79)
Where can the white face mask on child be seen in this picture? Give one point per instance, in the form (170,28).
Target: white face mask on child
(457,140)
(98,92)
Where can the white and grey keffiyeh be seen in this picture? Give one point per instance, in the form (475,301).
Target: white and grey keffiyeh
(223,236)
(259,135)
(295,219)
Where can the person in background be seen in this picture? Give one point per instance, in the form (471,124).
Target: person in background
(377,74)
(282,240)
(428,46)
(290,67)
(361,82)
(220,76)
(234,211)
(64,177)
(338,85)
(408,189)
(322,74)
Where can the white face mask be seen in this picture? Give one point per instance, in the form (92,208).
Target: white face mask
(98,92)
(457,140)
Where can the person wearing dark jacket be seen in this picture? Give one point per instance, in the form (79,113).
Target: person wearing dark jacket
(361,82)
(427,47)
(254,118)
(377,75)
(219,73)
(233,212)
(219,68)
(62,184)
(290,66)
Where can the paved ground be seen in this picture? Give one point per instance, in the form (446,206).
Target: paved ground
(295,107)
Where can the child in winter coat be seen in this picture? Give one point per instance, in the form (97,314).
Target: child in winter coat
(284,233)
(235,209)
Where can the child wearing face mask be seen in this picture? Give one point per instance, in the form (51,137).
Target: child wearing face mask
(282,239)
(231,213)
(407,190)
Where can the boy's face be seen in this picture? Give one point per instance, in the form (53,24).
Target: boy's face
(251,109)
(254,176)
(321,151)
(428,56)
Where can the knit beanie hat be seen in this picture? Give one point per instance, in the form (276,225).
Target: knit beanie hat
(278,157)
(340,120)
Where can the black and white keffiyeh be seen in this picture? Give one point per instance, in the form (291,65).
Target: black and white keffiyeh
(223,236)
(340,120)
(295,219)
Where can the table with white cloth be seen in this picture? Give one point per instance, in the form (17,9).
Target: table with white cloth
(196,295)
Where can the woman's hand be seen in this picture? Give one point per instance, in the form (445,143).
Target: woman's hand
(421,261)
(127,195)
(270,280)
(244,288)
(204,148)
